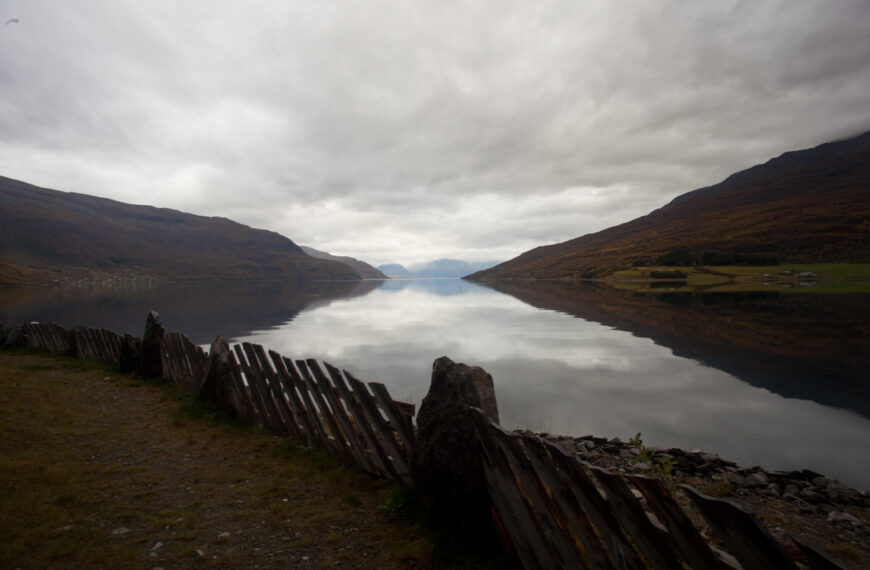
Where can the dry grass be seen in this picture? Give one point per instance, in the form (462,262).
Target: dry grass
(101,470)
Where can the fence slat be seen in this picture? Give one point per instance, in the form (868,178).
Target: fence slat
(526,474)
(691,543)
(277,393)
(653,543)
(355,440)
(740,532)
(400,422)
(256,390)
(526,535)
(597,509)
(324,416)
(577,519)
(359,419)
(294,388)
(312,412)
(816,559)
(259,379)
(288,392)
(382,431)
(321,388)
(383,442)
(243,390)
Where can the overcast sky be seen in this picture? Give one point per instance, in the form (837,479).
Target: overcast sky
(404,131)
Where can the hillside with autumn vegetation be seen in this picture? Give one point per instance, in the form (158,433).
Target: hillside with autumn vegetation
(47,235)
(805,206)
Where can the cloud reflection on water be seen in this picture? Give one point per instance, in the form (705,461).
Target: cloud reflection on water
(562,374)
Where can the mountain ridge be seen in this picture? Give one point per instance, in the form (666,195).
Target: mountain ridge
(806,205)
(48,235)
(365,270)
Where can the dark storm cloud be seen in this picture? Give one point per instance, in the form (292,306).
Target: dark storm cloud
(399,131)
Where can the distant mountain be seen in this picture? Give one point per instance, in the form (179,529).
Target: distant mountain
(449,268)
(395,270)
(804,206)
(365,270)
(49,235)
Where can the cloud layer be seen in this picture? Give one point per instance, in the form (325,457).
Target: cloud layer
(407,131)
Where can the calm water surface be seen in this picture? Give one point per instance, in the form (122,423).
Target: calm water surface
(553,371)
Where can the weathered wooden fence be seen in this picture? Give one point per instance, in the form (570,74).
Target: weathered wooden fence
(556,511)
(559,512)
(331,410)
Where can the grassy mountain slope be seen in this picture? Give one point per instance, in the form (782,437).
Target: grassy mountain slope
(365,270)
(804,206)
(46,234)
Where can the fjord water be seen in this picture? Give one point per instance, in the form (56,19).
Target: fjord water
(685,372)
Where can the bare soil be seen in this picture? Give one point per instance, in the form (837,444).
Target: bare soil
(100,470)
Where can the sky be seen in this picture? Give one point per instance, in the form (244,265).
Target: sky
(401,132)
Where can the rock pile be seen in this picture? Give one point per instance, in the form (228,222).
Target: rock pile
(809,491)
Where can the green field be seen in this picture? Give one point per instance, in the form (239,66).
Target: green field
(827,278)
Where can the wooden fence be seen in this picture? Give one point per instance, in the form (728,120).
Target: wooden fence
(556,511)
(559,512)
(331,410)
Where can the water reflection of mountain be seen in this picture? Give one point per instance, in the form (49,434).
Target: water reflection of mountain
(200,310)
(807,346)
(441,286)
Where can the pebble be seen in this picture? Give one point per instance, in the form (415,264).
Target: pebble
(120,530)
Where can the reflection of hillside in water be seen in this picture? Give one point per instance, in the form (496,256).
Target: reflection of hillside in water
(200,310)
(806,346)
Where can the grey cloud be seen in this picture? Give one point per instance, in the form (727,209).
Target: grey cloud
(400,130)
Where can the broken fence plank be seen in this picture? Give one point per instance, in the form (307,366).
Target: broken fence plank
(691,543)
(526,535)
(740,532)
(653,543)
(577,520)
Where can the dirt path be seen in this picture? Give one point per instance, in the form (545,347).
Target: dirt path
(99,470)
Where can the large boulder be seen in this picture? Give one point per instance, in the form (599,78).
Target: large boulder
(218,384)
(447,462)
(150,361)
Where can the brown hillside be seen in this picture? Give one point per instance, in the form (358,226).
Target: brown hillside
(804,206)
(46,234)
(365,270)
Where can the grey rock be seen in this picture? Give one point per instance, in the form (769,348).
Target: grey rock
(735,479)
(754,480)
(218,384)
(804,507)
(447,466)
(835,517)
(812,497)
(820,482)
(791,491)
(772,490)
(150,362)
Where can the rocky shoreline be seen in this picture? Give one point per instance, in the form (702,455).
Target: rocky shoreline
(810,491)
(799,502)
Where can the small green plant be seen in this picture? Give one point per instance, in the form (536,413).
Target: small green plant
(661,465)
